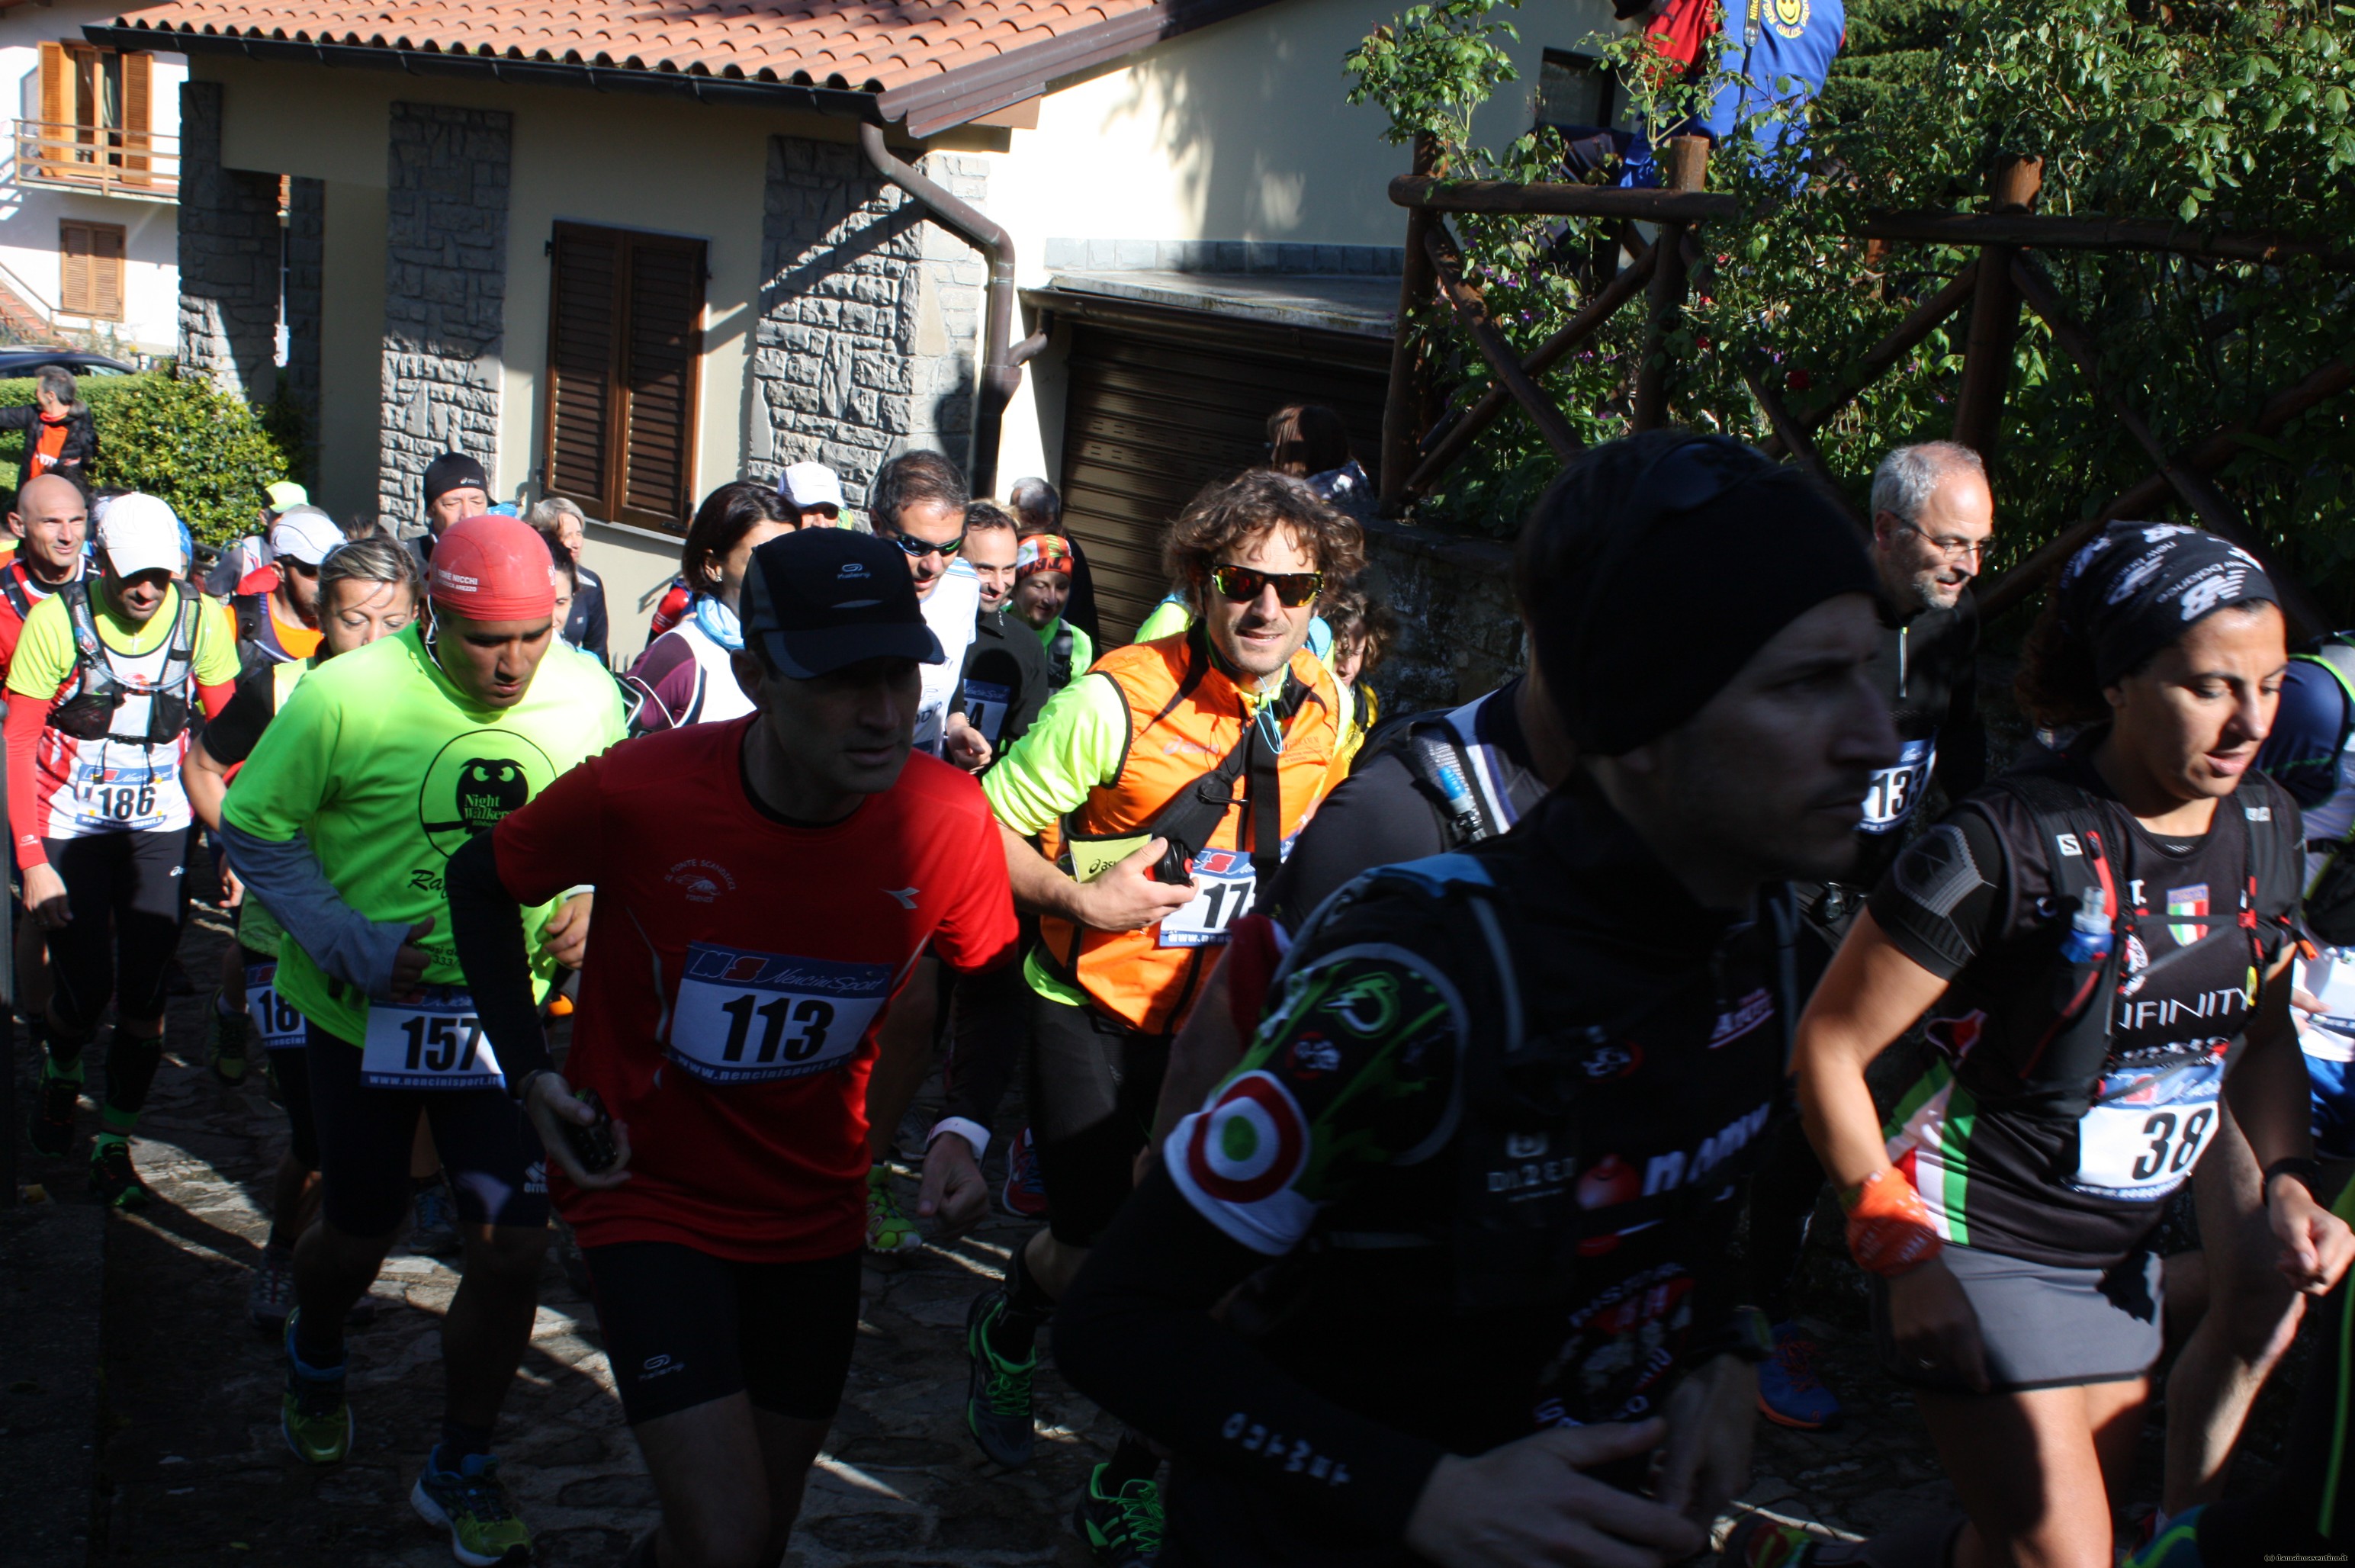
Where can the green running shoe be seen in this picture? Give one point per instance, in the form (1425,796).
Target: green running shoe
(225,1043)
(314,1416)
(890,1230)
(114,1179)
(1124,1530)
(997,1396)
(476,1508)
(51,1130)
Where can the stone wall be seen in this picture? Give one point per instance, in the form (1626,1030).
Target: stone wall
(229,257)
(1459,634)
(446,293)
(307,276)
(869,337)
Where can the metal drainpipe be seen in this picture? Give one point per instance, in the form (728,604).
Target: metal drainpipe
(1001,358)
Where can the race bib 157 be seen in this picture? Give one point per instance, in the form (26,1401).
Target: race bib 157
(434,1043)
(753,1017)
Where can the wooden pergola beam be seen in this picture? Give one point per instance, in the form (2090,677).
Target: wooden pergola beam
(1902,340)
(1472,310)
(2054,233)
(1427,194)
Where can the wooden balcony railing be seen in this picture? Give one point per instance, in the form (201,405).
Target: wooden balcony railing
(99,158)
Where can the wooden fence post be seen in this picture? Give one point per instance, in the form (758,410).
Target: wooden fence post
(1688,169)
(1415,286)
(1995,315)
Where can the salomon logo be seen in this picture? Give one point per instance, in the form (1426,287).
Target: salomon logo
(2068,842)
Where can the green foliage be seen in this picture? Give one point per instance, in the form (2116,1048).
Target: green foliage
(2214,117)
(201,449)
(1435,66)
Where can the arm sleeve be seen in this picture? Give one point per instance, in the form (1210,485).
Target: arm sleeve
(1134,1334)
(215,697)
(1076,745)
(1944,902)
(486,927)
(26,717)
(662,685)
(230,734)
(1963,743)
(287,878)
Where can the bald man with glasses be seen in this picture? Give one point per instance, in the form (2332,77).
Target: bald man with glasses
(1933,518)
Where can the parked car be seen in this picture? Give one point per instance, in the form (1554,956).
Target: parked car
(23,361)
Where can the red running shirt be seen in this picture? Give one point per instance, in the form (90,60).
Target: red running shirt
(737,971)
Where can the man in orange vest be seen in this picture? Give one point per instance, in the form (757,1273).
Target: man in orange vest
(1163,789)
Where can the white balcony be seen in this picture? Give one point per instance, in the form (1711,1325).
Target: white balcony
(99,159)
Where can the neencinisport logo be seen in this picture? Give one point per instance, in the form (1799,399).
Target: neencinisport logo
(1250,1143)
(476,780)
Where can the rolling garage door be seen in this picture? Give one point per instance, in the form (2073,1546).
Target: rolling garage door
(1162,401)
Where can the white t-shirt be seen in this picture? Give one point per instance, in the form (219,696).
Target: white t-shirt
(951,613)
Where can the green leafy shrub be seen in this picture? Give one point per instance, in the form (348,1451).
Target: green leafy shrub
(201,449)
(2209,116)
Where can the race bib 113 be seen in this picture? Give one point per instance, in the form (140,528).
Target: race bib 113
(753,1017)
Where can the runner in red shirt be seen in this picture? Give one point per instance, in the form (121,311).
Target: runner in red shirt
(729,1030)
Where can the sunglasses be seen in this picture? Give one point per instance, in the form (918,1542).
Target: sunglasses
(1241,584)
(921,548)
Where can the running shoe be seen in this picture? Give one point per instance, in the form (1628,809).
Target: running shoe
(1122,1530)
(51,1130)
(435,1232)
(114,1179)
(1761,1541)
(314,1416)
(1025,1192)
(2176,1544)
(271,1297)
(997,1394)
(225,1043)
(890,1230)
(1790,1392)
(476,1507)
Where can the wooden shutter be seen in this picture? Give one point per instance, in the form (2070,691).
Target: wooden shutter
(625,341)
(584,342)
(90,266)
(57,85)
(666,339)
(137,90)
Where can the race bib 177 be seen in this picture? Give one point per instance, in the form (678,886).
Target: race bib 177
(1223,889)
(753,1017)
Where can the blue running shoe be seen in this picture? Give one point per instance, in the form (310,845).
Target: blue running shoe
(1789,1392)
(2175,1545)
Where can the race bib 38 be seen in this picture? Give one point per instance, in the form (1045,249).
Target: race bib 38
(2143,1138)
(753,1017)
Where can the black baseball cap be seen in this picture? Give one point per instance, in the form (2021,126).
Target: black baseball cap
(818,599)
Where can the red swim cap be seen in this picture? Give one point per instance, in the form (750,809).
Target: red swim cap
(493,569)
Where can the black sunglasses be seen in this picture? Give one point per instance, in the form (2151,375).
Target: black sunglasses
(1243,584)
(921,548)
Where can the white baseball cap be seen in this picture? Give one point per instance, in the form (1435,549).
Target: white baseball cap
(304,532)
(140,533)
(808,484)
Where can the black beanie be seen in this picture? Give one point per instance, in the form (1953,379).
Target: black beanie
(453,471)
(1717,550)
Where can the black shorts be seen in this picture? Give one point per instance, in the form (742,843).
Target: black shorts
(683,1328)
(1093,1085)
(128,896)
(498,1172)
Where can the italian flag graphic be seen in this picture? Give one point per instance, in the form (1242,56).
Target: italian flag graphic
(2186,907)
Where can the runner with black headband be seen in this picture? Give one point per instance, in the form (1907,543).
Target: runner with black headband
(1484,1150)
(2100,940)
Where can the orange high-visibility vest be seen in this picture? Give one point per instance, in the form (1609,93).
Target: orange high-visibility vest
(1185,717)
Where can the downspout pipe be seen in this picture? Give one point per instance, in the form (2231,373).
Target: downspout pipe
(1001,362)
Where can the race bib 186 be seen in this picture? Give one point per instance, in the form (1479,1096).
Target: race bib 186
(2142,1138)
(1223,888)
(275,1021)
(126,788)
(1891,796)
(751,1018)
(433,1043)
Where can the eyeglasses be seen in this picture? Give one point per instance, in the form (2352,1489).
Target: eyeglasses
(921,548)
(1243,584)
(1951,548)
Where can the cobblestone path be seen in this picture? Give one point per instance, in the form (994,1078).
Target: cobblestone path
(192,1469)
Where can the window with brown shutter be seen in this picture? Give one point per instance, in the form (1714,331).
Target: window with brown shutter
(95,127)
(624,347)
(90,259)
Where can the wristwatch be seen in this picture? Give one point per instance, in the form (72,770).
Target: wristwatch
(1746,1333)
(2304,1171)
